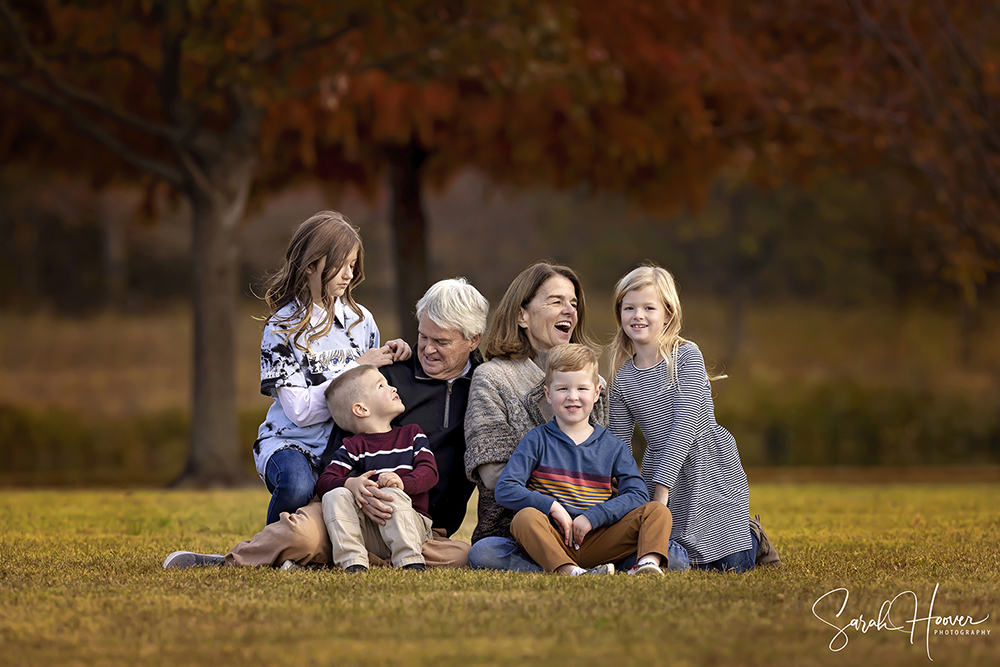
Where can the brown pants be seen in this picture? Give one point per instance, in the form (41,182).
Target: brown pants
(643,531)
(302,538)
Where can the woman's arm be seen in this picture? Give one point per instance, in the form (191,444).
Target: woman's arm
(490,436)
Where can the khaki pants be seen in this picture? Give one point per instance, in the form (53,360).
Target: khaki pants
(643,531)
(301,537)
(353,535)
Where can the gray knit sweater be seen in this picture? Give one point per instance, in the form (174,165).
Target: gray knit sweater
(506,400)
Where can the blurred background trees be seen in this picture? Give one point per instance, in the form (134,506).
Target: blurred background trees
(838,155)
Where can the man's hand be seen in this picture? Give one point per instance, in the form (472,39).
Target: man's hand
(390,479)
(369,497)
(561,517)
(581,526)
(399,348)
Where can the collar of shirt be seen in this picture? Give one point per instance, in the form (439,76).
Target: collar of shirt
(318,314)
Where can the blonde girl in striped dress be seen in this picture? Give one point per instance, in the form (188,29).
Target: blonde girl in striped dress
(691,464)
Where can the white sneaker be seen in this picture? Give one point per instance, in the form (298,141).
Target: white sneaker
(607,568)
(646,568)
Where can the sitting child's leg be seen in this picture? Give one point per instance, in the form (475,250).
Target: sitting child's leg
(656,522)
(344,524)
(644,531)
(405,532)
(535,534)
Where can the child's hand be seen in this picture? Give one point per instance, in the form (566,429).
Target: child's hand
(390,479)
(561,517)
(361,486)
(400,349)
(581,526)
(377,356)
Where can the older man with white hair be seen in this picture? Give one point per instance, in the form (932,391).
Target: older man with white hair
(434,387)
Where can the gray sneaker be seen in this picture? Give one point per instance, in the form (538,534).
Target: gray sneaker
(180,560)
(766,553)
(607,568)
(290,565)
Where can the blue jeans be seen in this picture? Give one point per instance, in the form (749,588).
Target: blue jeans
(739,562)
(290,479)
(502,553)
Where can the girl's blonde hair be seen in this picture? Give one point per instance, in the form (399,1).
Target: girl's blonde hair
(326,234)
(670,340)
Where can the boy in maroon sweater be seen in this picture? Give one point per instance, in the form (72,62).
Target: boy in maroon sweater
(394,459)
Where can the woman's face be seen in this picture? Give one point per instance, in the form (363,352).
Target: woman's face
(550,317)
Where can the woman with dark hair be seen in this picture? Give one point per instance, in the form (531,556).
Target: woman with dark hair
(543,307)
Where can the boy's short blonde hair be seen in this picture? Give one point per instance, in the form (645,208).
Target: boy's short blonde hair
(571,357)
(346,390)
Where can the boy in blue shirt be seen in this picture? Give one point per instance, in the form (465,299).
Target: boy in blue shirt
(559,482)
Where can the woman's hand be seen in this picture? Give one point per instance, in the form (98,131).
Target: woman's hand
(661,494)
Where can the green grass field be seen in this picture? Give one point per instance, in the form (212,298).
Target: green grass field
(81,584)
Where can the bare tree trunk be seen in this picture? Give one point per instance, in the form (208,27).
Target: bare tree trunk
(969,321)
(409,226)
(214,457)
(114,257)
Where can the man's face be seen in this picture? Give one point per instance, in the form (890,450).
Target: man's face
(442,353)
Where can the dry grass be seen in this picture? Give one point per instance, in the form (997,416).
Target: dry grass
(81,584)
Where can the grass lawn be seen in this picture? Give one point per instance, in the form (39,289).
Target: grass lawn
(81,584)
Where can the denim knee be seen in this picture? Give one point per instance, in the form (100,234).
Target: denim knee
(501,553)
(290,479)
(739,562)
(677,557)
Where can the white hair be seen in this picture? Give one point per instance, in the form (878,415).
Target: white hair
(455,304)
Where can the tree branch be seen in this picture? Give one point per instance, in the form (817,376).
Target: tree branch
(386,63)
(97,103)
(261,57)
(93,130)
(879,33)
(110,54)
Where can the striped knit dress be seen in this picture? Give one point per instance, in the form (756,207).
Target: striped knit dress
(687,452)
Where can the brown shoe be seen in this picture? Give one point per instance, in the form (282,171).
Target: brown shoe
(766,553)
